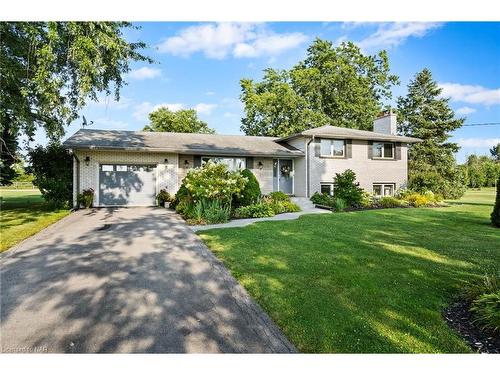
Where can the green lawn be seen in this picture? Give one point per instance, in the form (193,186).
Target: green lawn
(23,213)
(364,282)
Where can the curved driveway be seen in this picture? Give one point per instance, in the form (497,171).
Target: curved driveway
(126,280)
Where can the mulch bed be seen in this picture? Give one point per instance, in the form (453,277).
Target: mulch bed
(459,318)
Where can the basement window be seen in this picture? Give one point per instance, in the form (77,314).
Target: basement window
(327,188)
(383,190)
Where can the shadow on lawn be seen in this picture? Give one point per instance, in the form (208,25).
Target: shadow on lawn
(91,293)
(363,281)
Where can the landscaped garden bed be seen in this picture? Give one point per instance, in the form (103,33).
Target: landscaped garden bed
(212,194)
(348,196)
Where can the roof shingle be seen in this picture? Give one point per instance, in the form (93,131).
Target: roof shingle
(191,143)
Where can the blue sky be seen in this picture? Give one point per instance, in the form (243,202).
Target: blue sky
(199,66)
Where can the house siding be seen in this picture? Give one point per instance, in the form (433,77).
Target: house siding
(166,173)
(368,171)
(299,167)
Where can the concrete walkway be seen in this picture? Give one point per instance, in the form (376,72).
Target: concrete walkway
(127,280)
(244,222)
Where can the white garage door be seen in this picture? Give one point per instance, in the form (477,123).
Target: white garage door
(127,185)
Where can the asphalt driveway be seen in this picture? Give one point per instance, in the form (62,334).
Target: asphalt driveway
(126,280)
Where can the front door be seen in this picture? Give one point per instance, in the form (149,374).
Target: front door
(283,175)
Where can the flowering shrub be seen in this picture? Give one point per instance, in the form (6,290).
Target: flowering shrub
(213,181)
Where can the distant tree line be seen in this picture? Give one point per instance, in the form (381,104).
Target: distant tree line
(481,171)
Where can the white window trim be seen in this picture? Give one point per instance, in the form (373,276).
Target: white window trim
(383,185)
(226,157)
(331,155)
(383,157)
(330,184)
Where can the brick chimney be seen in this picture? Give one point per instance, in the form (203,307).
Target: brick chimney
(386,123)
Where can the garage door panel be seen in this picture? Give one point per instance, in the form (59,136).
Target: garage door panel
(127,185)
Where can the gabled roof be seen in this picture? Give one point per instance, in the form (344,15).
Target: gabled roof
(189,143)
(337,132)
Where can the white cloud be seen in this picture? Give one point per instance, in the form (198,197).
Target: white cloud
(478,142)
(465,110)
(393,34)
(144,73)
(141,111)
(204,108)
(230,115)
(210,93)
(472,94)
(269,45)
(219,40)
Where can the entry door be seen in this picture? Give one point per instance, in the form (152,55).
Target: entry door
(127,185)
(283,175)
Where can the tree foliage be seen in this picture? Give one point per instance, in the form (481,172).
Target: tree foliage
(338,86)
(495,152)
(52,167)
(182,121)
(49,70)
(8,150)
(495,215)
(424,114)
(481,171)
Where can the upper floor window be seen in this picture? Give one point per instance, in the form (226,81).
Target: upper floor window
(233,164)
(333,147)
(383,150)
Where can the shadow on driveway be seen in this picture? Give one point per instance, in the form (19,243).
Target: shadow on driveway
(126,280)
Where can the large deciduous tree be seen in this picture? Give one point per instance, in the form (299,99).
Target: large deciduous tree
(182,121)
(424,114)
(49,70)
(338,86)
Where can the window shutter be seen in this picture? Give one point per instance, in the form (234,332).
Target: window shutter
(348,148)
(317,147)
(249,163)
(197,161)
(370,149)
(398,150)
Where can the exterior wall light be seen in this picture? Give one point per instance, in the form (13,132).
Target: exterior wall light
(166,161)
(87,160)
(186,164)
(260,165)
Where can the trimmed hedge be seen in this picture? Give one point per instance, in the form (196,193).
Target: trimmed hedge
(250,193)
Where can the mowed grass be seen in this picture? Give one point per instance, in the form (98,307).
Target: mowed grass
(365,282)
(24,213)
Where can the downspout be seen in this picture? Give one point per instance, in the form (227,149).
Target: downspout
(308,188)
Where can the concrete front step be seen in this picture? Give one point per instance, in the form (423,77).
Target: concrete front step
(304,203)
